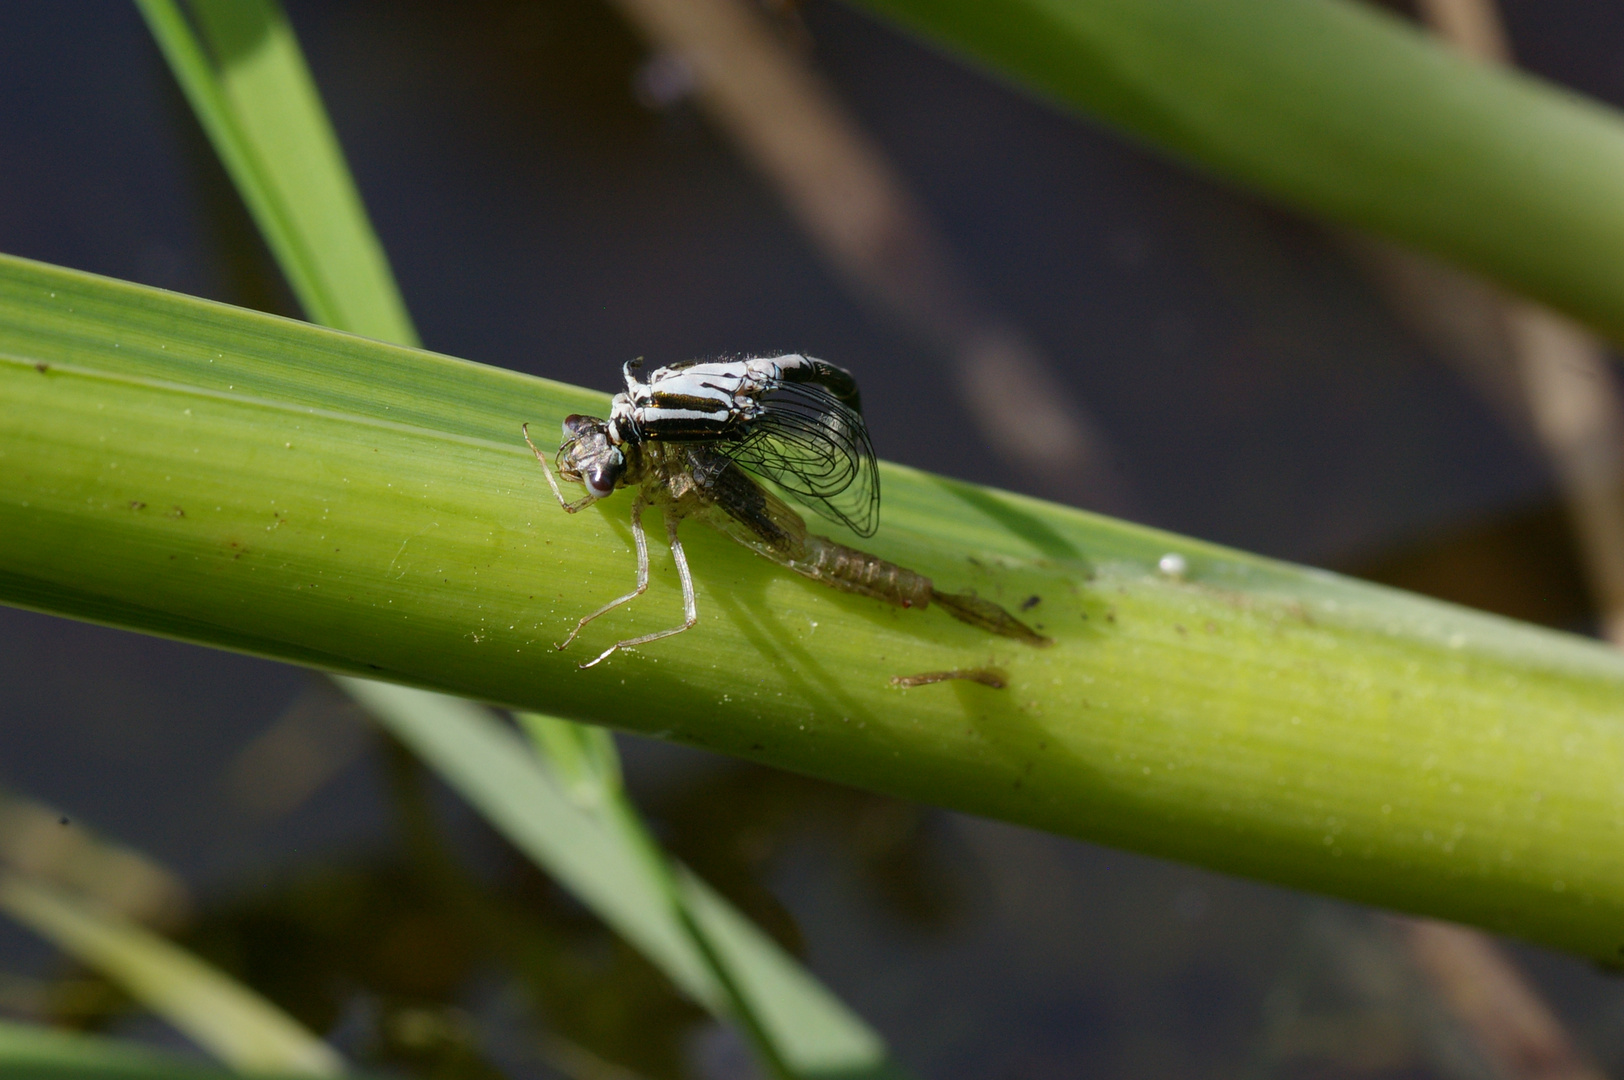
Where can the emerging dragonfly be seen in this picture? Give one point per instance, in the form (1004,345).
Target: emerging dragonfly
(684,438)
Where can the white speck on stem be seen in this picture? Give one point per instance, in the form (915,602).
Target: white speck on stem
(1173,565)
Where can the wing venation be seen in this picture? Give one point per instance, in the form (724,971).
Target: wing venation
(817,449)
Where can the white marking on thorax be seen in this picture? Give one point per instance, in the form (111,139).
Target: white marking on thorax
(734,386)
(655,414)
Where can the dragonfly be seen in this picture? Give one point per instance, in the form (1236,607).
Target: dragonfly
(688,438)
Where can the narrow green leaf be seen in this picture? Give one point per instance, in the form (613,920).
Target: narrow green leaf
(581,757)
(34,842)
(490,766)
(35,1053)
(190,469)
(1341,110)
(221,1015)
(258,105)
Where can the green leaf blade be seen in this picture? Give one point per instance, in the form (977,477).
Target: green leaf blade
(28,1052)
(218,1013)
(1338,109)
(490,767)
(259,107)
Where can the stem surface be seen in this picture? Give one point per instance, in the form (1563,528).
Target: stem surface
(194,470)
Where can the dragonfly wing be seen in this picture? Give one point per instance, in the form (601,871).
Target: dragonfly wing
(814,446)
(744,510)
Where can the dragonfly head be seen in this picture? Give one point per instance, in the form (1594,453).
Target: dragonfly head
(590,457)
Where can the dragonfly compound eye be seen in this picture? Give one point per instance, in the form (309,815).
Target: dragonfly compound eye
(602,475)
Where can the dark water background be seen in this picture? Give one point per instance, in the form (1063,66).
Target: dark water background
(1256,388)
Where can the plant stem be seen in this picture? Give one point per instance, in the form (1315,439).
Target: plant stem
(194,470)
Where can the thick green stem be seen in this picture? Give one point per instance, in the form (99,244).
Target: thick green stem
(189,469)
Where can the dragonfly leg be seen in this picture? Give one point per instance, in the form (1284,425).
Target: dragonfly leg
(641,540)
(690,612)
(569,507)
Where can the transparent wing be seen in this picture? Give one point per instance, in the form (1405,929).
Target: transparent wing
(817,449)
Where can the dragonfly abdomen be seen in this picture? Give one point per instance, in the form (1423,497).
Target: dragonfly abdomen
(859,572)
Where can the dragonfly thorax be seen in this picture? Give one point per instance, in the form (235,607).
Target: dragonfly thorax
(716,399)
(700,402)
(791,419)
